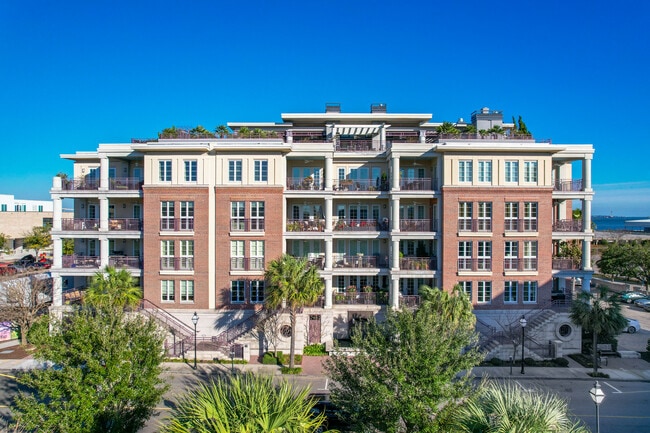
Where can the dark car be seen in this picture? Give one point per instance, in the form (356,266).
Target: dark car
(7,269)
(25,261)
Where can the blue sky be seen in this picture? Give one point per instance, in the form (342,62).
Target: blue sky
(78,73)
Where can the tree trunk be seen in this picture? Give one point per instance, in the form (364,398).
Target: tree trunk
(292,347)
(595,351)
(23,334)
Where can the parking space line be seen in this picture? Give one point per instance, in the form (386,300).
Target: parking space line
(616,391)
(8,375)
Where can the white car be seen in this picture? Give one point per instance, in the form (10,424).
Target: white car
(632,326)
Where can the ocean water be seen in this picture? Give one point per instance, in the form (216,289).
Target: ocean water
(608,223)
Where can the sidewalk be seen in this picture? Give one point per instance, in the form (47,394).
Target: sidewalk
(13,357)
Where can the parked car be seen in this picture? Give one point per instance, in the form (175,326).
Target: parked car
(7,269)
(629,297)
(646,307)
(632,326)
(25,261)
(641,302)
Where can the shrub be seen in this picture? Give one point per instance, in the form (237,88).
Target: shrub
(496,362)
(561,362)
(529,361)
(284,358)
(288,370)
(647,348)
(269,359)
(314,350)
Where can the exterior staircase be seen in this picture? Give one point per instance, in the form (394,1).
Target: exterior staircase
(183,335)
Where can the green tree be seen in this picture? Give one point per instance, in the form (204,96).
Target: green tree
(600,314)
(618,260)
(506,407)
(23,301)
(200,132)
(447,128)
(292,283)
(4,241)
(67,247)
(244,132)
(222,131)
(113,288)
(571,249)
(640,265)
(106,377)
(410,371)
(244,403)
(172,132)
(38,239)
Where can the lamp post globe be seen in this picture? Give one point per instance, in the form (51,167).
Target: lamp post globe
(195,320)
(597,396)
(522,323)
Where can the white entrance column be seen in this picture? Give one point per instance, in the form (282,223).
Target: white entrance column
(103,173)
(328,254)
(329,172)
(394,210)
(394,173)
(328,214)
(328,291)
(394,292)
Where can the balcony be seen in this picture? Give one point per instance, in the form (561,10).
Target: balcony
(515,264)
(75,261)
(315,225)
(343,145)
(357,225)
(567,226)
(79,224)
(247,263)
(360,185)
(419,263)
(409,301)
(417,225)
(475,265)
(177,263)
(419,184)
(125,184)
(80,184)
(125,224)
(474,225)
(177,224)
(564,264)
(130,262)
(304,184)
(361,298)
(525,225)
(247,225)
(356,261)
(568,185)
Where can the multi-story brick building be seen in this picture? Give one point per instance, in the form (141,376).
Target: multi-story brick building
(381,202)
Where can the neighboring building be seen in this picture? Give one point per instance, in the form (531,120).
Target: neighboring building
(377,199)
(18,217)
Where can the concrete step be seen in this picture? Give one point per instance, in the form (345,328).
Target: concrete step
(629,354)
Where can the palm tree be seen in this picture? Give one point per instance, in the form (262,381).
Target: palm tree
(600,314)
(292,283)
(113,288)
(447,128)
(244,404)
(506,407)
(222,131)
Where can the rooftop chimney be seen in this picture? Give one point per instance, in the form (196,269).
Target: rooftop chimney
(332,107)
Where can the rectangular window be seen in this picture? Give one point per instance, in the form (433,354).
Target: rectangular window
(510,292)
(341,173)
(484,292)
(237,292)
(484,216)
(187,255)
(187,291)
(167,255)
(190,170)
(187,215)
(530,216)
(512,216)
(512,171)
(234,170)
(485,171)
(466,288)
(166,215)
(3,208)
(165,170)
(167,290)
(261,170)
(530,255)
(237,214)
(257,216)
(484,256)
(237,255)
(530,171)
(257,291)
(511,254)
(465,216)
(465,171)
(257,255)
(464,255)
(530,291)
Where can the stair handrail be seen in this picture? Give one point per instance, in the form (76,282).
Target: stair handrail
(242,327)
(166,318)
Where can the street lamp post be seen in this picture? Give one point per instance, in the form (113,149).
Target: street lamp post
(597,395)
(232,360)
(195,320)
(523,324)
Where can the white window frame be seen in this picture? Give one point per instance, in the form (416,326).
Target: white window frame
(529,292)
(485,171)
(465,216)
(237,291)
(466,288)
(167,254)
(187,254)
(257,215)
(165,170)
(530,255)
(510,255)
(187,291)
(465,171)
(237,255)
(237,216)
(511,171)
(530,171)
(530,216)
(257,291)
(191,169)
(464,255)
(484,292)
(484,255)
(167,210)
(261,170)
(235,170)
(510,290)
(511,216)
(167,291)
(187,215)
(257,255)
(484,221)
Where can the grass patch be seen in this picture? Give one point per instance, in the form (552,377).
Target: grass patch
(314,350)
(289,370)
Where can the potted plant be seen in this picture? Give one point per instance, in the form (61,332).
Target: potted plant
(367,289)
(307,181)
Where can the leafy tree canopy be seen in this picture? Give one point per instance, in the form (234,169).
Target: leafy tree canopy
(105,376)
(411,370)
(626,259)
(114,289)
(4,241)
(447,128)
(38,239)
